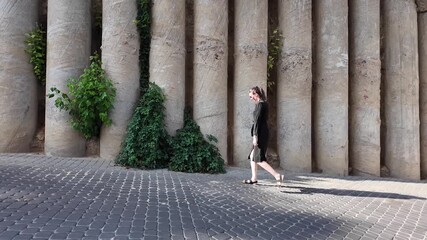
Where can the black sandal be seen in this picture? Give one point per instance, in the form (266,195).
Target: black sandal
(249,181)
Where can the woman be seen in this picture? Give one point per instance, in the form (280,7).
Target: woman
(259,133)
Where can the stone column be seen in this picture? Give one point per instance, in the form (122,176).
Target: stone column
(210,69)
(401,89)
(365,80)
(18,84)
(331,87)
(294,85)
(167,58)
(250,69)
(120,59)
(68,51)
(422,51)
(421,5)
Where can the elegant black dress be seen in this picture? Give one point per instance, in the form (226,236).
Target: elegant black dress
(260,127)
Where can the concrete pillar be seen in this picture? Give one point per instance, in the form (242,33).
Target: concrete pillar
(68,51)
(250,69)
(422,51)
(294,86)
(365,80)
(18,84)
(120,59)
(210,69)
(167,58)
(331,87)
(401,89)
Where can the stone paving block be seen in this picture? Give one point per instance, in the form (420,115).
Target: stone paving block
(91,238)
(76,235)
(150,232)
(30,230)
(23,237)
(177,237)
(59,236)
(8,234)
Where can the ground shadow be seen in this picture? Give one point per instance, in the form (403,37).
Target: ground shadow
(344,192)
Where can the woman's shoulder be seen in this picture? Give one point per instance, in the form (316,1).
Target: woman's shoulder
(262,103)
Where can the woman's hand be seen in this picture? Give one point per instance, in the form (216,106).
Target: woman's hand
(255,140)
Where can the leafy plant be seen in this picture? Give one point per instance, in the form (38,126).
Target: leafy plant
(274,50)
(143,23)
(89,99)
(192,152)
(146,141)
(147,144)
(36,48)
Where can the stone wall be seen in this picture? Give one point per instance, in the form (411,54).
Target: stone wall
(326,108)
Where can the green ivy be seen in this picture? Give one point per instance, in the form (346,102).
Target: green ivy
(146,141)
(36,48)
(147,144)
(143,23)
(89,99)
(192,152)
(274,50)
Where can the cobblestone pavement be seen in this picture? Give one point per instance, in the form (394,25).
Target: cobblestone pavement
(89,198)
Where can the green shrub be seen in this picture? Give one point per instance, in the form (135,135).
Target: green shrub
(36,48)
(146,141)
(89,99)
(192,153)
(147,144)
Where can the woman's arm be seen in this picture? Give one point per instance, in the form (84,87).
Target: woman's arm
(257,120)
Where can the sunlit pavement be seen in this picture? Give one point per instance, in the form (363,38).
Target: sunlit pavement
(45,197)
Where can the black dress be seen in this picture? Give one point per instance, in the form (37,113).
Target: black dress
(260,127)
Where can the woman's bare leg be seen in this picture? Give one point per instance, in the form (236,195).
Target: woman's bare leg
(269,169)
(253,167)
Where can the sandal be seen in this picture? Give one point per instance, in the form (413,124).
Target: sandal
(280,180)
(249,181)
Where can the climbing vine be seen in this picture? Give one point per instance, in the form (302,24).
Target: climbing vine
(147,144)
(36,48)
(274,50)
(146,140)
(143,23)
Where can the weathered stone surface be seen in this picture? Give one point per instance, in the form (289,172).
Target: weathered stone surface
(422,50)
(401,89)
(365,80)
(18,85)
(250,46)
(210,69)
(421,5)
(167,58)
(331,86)
(68,51)
(294,86)
(120,54)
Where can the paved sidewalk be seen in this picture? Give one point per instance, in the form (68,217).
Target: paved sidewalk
(89,198)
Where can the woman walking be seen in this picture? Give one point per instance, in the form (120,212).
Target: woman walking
(260,134)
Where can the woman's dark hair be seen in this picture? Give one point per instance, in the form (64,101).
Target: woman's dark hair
(260,92)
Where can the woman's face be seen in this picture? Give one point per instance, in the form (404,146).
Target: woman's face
(253,96)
